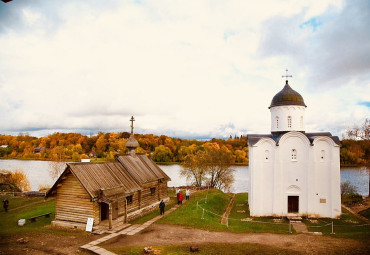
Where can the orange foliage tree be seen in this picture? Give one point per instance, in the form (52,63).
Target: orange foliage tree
(18,180)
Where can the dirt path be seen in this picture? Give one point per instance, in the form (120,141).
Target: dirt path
(161,234)
(228,210)
(45,244)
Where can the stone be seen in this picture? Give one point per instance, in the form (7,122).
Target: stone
(194,249)
(148,250)
(247,219)
(22,240)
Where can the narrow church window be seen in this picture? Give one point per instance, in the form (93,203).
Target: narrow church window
(129,199)
(322,157)
(277,122)
(301,121)
(289,121)
(152,191)
(266,155)
(294,155)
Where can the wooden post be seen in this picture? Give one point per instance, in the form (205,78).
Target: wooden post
(110,215)
(159,191)
(139,199)
(332,228)
(126,211)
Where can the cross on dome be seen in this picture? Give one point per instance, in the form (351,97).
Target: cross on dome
(132,124)
(286,74)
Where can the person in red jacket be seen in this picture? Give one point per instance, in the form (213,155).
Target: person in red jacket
(180,198)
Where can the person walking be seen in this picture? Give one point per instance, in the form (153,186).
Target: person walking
(6,204)
(187,194)
(161,207)
(180,198)
(178,195)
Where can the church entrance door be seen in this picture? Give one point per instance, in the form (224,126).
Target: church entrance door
(104,211)
(293,204)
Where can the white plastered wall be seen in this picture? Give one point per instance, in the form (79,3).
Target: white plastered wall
(296,112)
(273,180)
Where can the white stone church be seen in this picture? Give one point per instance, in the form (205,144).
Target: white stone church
(293,173)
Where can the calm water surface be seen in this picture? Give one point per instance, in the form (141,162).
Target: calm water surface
(38,174)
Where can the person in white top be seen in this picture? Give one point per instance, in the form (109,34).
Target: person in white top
(187,194)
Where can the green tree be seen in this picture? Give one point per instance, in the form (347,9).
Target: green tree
(162,154)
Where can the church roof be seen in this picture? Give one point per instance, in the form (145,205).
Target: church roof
(123,176)
(142,169)
(95,177)
(287,96)
(253,138)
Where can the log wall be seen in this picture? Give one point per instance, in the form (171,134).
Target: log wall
(72,202)
(146,197)
(135,203)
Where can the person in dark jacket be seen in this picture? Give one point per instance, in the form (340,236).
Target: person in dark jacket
(6,204)
(161,207)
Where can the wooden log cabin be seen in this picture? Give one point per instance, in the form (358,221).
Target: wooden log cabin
(128,187)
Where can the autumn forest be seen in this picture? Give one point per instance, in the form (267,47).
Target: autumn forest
(104,146)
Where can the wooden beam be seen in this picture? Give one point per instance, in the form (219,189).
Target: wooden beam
(126,210)
(140,198)
(110,215)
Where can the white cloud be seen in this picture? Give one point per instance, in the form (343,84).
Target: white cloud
(194,68)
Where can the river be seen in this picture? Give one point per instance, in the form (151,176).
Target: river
(38,174)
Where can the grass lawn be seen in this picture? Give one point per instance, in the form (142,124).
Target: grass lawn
(268,225)
(18,201)
(191,215)
(9,221)
(206,249)
(151,215)
(365,213)
(346,226)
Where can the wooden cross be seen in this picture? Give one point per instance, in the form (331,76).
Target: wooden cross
(132,124)
(286,75)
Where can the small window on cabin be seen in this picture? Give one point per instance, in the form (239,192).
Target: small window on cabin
(129,199)
(322,156)
(267,155)
(152,191)
(277,122)
(289,122)
(301,121)
(294,155)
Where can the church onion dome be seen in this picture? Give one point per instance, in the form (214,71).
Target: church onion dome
(287,96)
(132,142)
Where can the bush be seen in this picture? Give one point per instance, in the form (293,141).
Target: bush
(346,188)
(351,199)
(349,194)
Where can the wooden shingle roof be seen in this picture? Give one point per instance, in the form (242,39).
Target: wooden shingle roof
(142,169)
(95,177)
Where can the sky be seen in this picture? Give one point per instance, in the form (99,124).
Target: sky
(189,69)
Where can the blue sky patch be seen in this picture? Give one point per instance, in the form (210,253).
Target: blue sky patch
(365,103)
(314,23)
